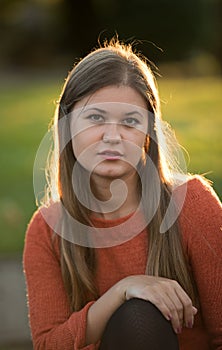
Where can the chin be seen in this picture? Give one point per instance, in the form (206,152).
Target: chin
(111,172)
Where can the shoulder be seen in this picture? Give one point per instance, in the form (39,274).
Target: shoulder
(197,194)
(200,209)
(41,253)
(42,224)
(198,186)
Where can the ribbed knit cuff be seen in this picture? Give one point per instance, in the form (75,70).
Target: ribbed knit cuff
(77,326)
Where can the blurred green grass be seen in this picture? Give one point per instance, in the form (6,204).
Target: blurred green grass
(26,108)
(192,106)
(194,109)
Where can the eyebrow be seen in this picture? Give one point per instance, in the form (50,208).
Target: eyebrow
(95,109)
(134,112)
(105,112)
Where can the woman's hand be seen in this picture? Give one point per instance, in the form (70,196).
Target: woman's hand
(166,294)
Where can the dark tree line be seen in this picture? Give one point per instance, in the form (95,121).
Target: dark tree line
(37,32)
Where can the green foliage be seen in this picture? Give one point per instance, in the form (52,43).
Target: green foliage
(37,33)
(175,26)
(193,107)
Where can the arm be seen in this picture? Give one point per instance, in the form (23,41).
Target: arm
(53,326)
(202,222)
(167,295)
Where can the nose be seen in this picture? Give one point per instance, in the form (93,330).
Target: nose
(111,133)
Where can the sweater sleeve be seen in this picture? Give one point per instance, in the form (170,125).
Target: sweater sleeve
(202,222)
(53,326)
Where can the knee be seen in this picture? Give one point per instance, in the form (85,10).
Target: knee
(139,310)
(137,324)
(137,305)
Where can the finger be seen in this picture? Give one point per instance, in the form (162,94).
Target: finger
(188,311)
(177,312)
(172,290)
(168,308)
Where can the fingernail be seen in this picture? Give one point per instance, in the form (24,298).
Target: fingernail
(178,330)
(169,317)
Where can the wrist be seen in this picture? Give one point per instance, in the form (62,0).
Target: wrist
(121,290)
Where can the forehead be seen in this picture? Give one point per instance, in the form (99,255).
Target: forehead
(118,94)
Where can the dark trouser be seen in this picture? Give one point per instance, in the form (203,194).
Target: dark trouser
(138,325)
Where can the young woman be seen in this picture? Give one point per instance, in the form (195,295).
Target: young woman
(129,255)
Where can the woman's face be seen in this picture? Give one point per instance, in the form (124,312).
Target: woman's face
(109,130)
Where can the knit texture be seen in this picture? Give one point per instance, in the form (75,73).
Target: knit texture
(54,327)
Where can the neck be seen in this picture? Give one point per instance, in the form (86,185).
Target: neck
(116,197)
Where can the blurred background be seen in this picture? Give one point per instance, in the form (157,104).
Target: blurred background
(40,42)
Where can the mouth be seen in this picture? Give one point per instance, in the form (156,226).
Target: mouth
(111,154)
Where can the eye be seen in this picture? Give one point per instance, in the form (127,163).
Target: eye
(131,122)
(96,118)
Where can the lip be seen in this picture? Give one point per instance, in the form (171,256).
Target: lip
(110,154)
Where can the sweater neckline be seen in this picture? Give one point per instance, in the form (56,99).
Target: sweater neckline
(111,222)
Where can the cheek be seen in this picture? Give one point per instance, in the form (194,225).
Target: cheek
(84,149)
(86,139)
(78,145)
(134,151)
(137,139)
(81,141)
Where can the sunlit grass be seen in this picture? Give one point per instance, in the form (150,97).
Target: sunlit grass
(25,112)
(194,109)
(192,106)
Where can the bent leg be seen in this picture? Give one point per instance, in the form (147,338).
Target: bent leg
(138,325)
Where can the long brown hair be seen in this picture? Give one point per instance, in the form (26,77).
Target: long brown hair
(116,64)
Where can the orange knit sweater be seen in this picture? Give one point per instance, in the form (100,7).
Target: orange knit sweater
(54,327)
